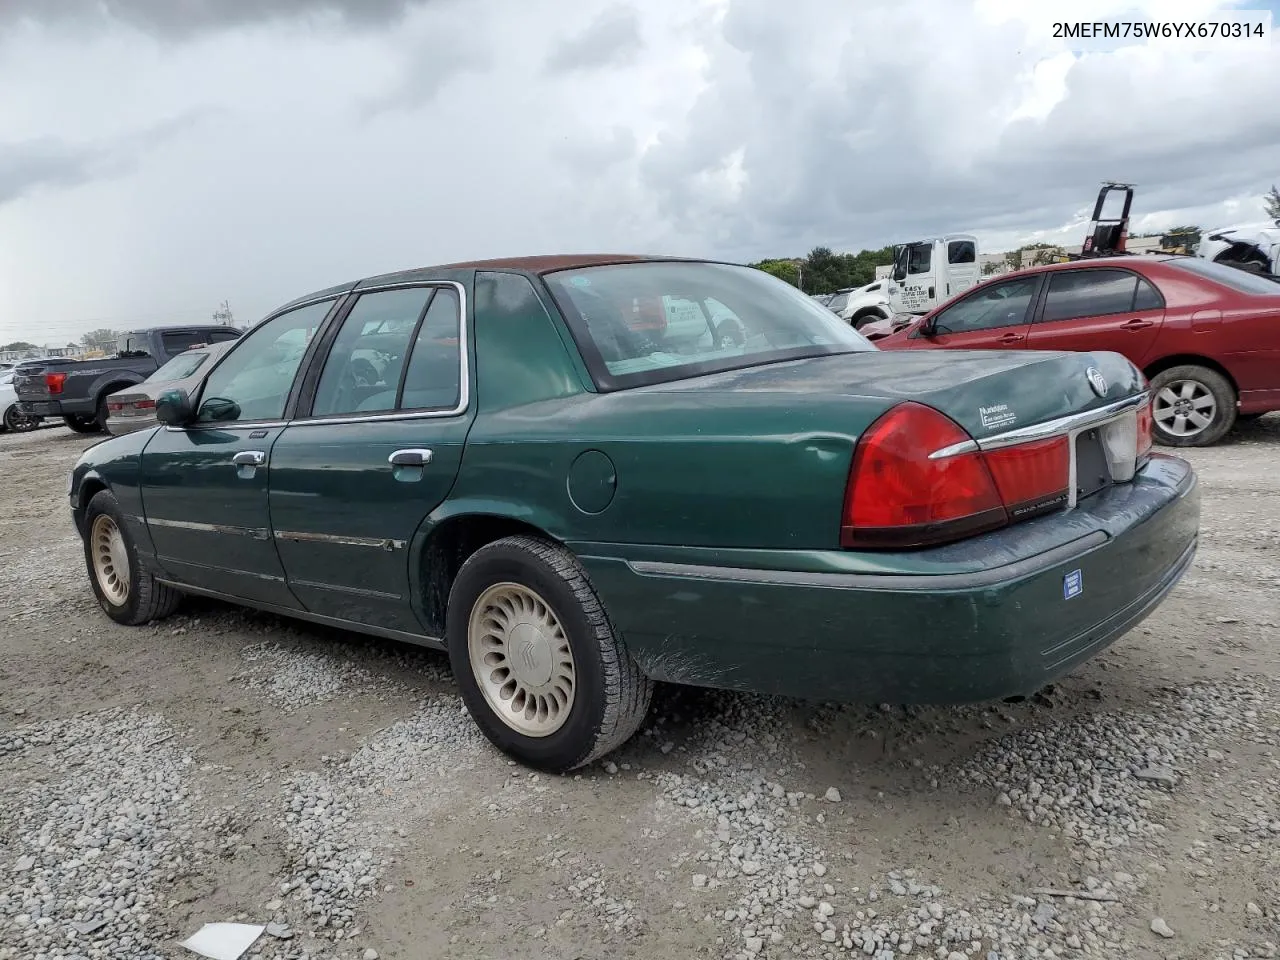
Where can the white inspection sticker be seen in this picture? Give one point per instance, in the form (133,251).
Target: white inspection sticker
(1072,585)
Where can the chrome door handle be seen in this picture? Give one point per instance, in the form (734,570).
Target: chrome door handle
(1010,338)
(413,457)
(249,458)
(1137,324)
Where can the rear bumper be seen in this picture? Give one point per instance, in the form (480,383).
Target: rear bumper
(1052,593)
(57,408)
(119,426)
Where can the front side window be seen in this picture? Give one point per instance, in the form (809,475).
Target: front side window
(654,322)
(1089,293)
(994,305)
(362,372)
(919,258)
(254,379)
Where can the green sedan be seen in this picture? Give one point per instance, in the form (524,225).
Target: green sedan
(584,475)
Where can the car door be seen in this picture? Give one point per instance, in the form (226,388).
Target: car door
(204,486)
(995,316)
(387,415)
(1098,308)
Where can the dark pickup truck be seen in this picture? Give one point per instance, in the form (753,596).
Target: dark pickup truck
(77,392)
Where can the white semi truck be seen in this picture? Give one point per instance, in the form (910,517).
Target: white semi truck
(924,274)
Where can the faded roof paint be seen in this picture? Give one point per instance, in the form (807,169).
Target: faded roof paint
(538,265)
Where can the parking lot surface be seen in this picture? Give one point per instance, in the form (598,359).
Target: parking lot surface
(227,765)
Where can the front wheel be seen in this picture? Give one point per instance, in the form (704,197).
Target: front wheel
(861,319)
(126,590)
(539,665)
(81,423)
(1191,406)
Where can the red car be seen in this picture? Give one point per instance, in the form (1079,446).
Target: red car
(1206,335)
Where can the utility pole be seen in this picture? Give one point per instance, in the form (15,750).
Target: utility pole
(223,315)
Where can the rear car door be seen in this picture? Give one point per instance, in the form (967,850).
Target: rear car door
(204,486)
(1098,308)
(386,415)
(995,316)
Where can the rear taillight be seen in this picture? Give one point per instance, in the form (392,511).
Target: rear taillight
(54,381)
(1031,476)
(1144,430)
(901,495)
(144,404)
(115,407)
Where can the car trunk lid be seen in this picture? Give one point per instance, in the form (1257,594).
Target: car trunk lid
(986,392)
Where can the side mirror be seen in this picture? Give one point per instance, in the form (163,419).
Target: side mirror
(173,407)
(219,410)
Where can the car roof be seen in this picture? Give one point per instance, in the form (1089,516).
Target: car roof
(538,264)
(1121,261)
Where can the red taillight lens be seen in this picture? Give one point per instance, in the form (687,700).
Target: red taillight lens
(115,407)
(1031,476)
(144,404)
(1144,429)
(899,497)
(54,381)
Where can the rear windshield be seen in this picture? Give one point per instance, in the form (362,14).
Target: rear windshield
(643,323)
(180,367)
(1236,279)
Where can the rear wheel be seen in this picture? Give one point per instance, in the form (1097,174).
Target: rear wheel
(1191,406)
(81,423)
(16,421)
(126,589)
(540,667)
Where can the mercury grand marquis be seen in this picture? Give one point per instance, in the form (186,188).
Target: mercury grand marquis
(581,475)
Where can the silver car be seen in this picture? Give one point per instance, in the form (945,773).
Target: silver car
(134,408)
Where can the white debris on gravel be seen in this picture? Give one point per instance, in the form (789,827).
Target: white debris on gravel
(343,825)
(96,819)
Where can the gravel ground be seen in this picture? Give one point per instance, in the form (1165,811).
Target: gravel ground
(225,765)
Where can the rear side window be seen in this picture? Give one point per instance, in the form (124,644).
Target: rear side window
(362,372)
(1147,297)
(433,379)
(1089,293)
(962,251)
(178,340)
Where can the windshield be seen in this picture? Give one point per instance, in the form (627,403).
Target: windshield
(180,367)
(643,323)
(1236,279)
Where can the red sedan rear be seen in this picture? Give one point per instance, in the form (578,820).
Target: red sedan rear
(1206,335)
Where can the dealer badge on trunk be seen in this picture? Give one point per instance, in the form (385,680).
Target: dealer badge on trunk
(1097,381)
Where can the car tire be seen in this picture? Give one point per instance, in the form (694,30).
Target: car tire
(82,423)
(575,694)
(15,421)
(862,318)
(131,596)
(1177,394)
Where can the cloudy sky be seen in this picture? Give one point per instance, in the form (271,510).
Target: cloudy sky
(159,156)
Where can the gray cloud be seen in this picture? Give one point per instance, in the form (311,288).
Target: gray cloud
(444,53)
(613,39)
(54,163)
(847,142)
(184,18)
(28,165)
